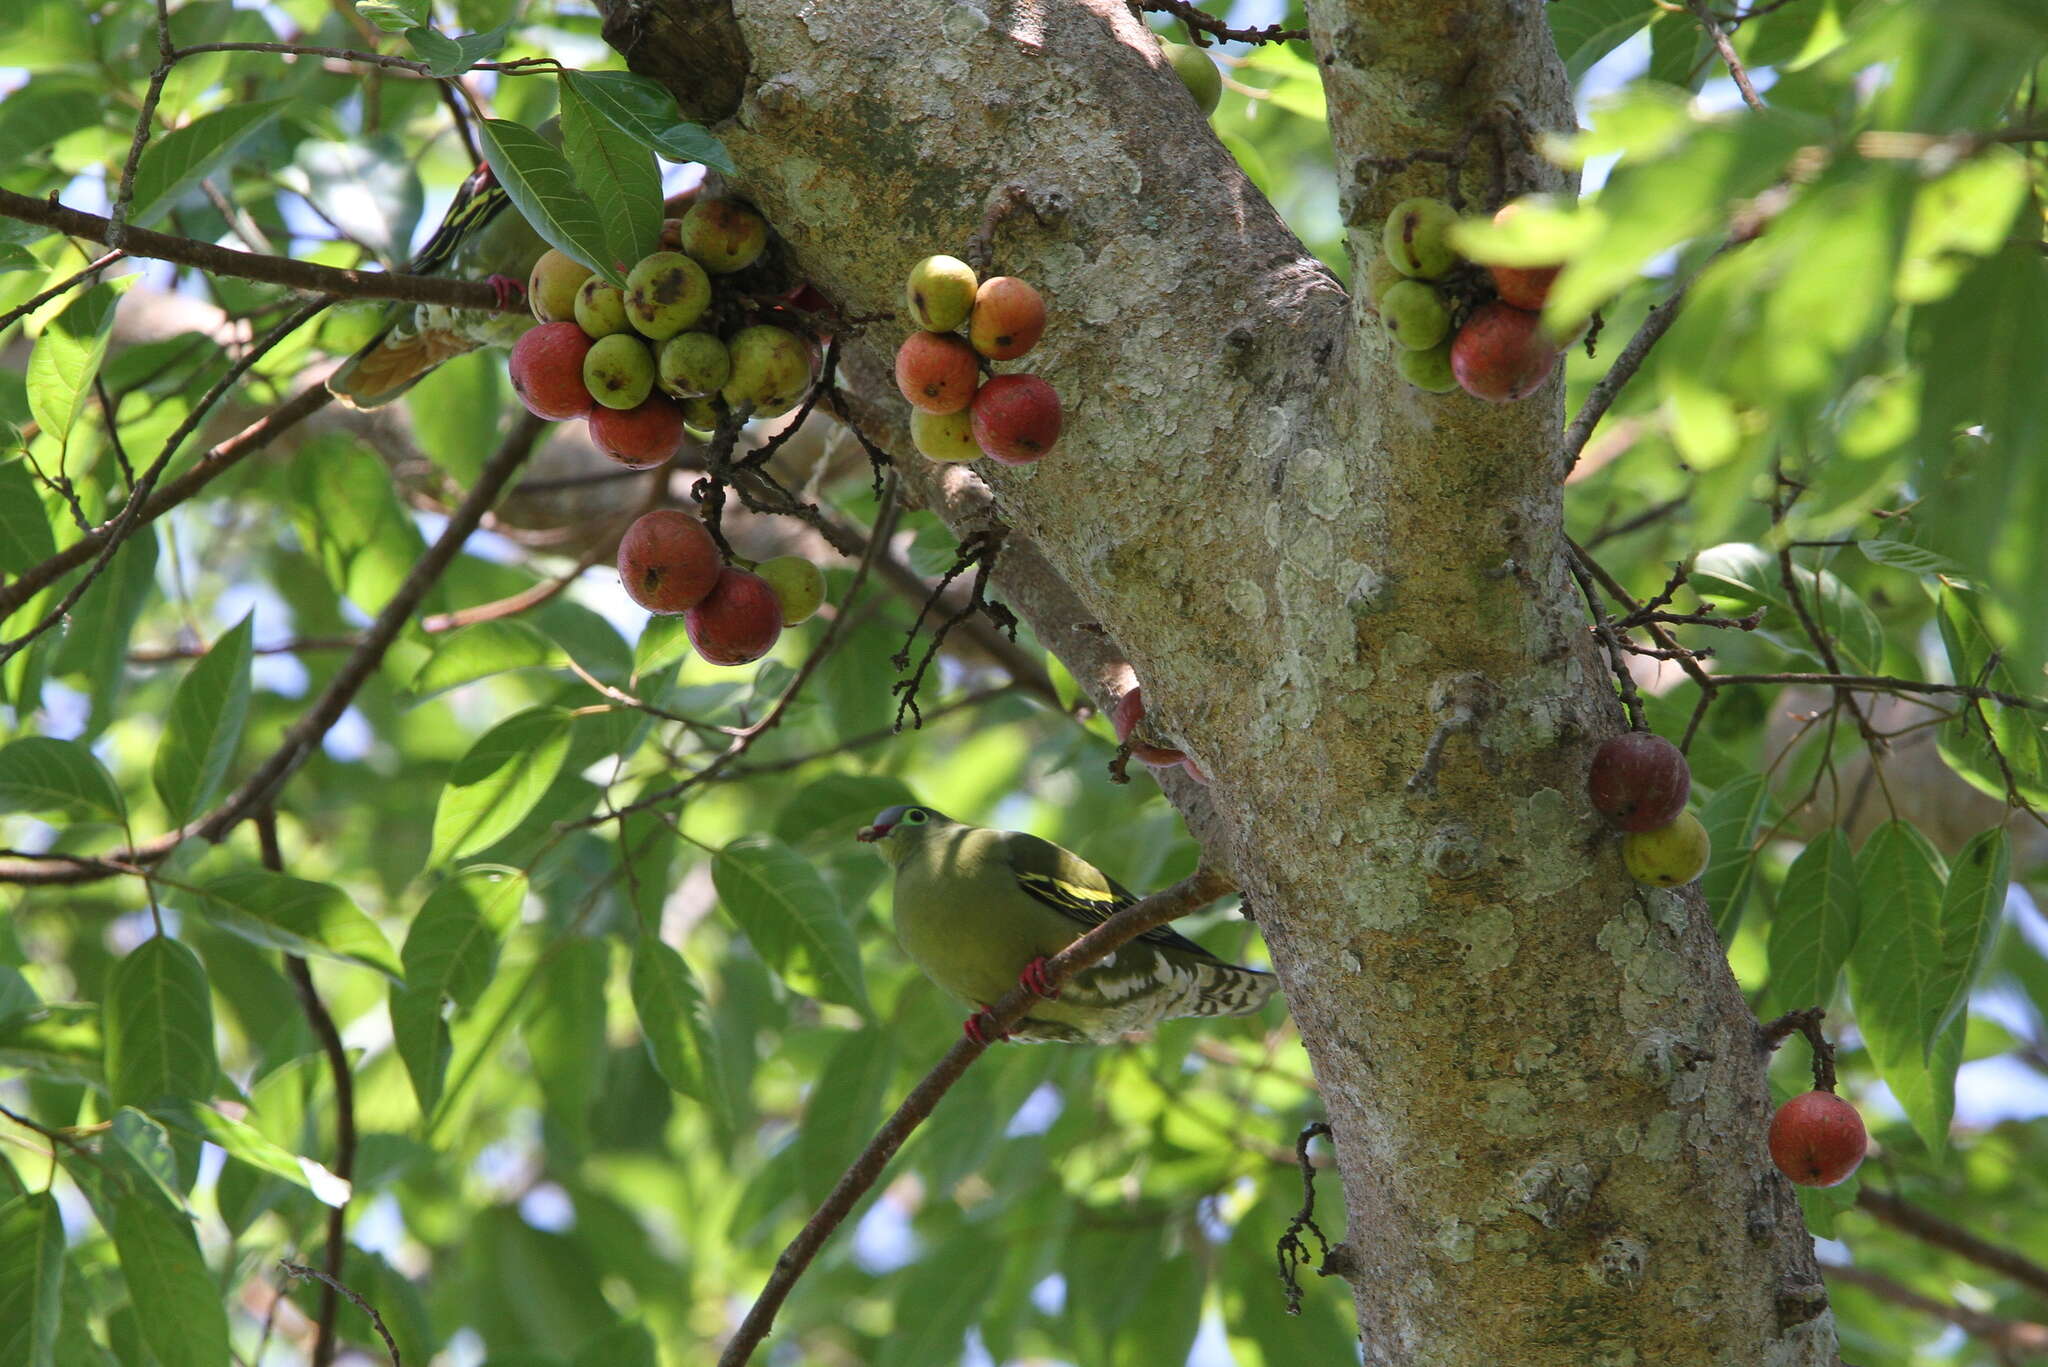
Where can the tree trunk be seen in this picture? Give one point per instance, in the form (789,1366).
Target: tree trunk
(1350,602)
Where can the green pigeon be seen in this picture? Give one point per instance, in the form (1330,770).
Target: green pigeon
(980,910)
(482,235)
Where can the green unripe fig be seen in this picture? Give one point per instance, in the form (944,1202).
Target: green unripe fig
(944,436)
(1381,276)
(551,289)
(665,293)
(702,415)
(619,371)
(941,292)
(799,584)
(1197,71)
(1418,238)
(1669,855)
(693,364)
(771,370)
(600,307)
(1429,371)
(723,235)
(1414,315)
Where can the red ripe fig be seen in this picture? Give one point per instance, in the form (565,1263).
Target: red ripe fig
(1817,1139)
(1016,418)
(547,371)
(638,438)
(1524,287)
(1008,318)
(1639,781)
(738,621)
(668,561)
(937,372)
(1125,716)
(1502,354)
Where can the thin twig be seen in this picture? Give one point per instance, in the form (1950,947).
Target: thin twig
(1202,25)
(2017,1335)
(376,1320)
(1197,890)
(77,277)
(1626,364)
(304,276)
(324,1029)
(1727,51)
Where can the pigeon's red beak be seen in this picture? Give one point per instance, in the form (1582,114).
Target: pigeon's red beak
(870,834)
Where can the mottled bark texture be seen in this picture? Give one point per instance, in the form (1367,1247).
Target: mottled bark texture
(1548,1100)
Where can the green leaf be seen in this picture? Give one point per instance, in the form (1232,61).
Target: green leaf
(60,1041)
(205,726)
(347,512)
(1987,741)
(176,1303)
(478,652)
(537,177)
(938,1298)
(446,57)
(311,920)
(181,158)
(1163,1323)
(395,16)
(790,916)
(246,1144)
(420,1032)
(1587,30)
(1904,555)
(96,637)
(1972,907)
(452,948)
(1731,816)
(495,784)
(158,1018)
(1962,214)
(622,1345)
(25,535)
(641,107)
(662,642)
(31,1279)
(843,1107)
(616,170)
(675,1023)
(67,356)
(1895,968)
(1745,575)
(34,116)
(1814,924)
(58,778)
(564,1033)
(831,810)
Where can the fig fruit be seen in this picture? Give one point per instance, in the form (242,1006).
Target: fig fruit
(944,436)
(1502,354)
(1817,1139)
(1639,781)
(799,586)
(1523,287)
(600,307)
(1417,238)
(619,371)
(665,293)
(723,235)
(1197,71)
(771,370)
(638,438)
(547,371)
(937,372)
(1670,855)
(738,621)
(692,364)
(1414,315)
(668,561)
(551,289)
(1008,318)
(1016,419)
(941,293)
(1429,371)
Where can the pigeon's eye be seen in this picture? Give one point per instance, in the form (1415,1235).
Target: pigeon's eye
(914,816)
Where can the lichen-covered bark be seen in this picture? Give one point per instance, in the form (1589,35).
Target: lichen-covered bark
(1548,1099)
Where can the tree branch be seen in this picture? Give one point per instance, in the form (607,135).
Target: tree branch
(2016,1335)
(304,276)
(1200,888)
(1925,1225)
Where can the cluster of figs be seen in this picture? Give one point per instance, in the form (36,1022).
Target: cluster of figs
(960,409)
(1640,782)
(1453,325)
(679,347)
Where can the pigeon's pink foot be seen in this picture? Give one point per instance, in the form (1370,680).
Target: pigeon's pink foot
(1034,980)
(511,293)
(981,1028)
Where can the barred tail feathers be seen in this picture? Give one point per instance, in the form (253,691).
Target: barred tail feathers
(1227,990)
